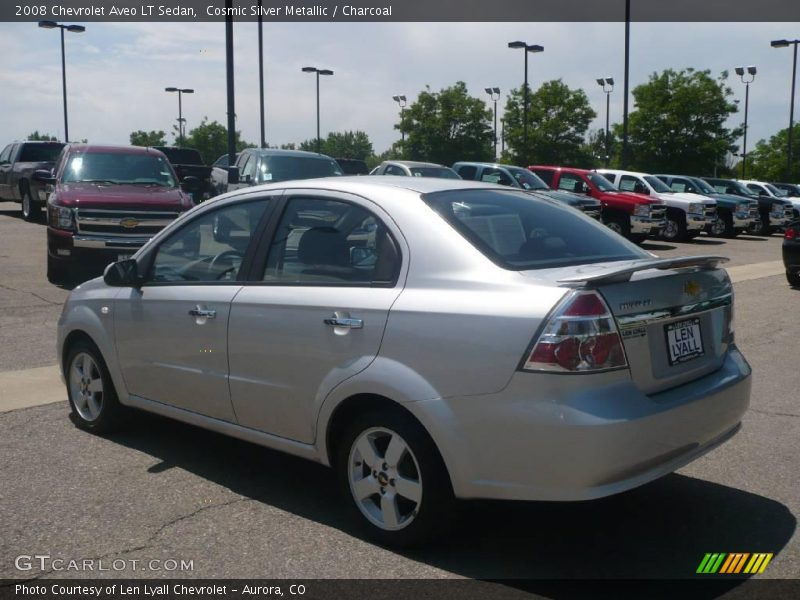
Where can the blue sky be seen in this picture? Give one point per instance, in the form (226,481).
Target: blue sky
(116,72)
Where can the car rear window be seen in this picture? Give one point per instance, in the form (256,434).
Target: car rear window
(40,152)
(519,232)
(285,168)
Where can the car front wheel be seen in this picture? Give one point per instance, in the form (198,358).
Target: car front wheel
(793,277)
(91,393)
(395,481)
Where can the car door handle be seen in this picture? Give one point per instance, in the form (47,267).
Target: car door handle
(203,313)
(345,322)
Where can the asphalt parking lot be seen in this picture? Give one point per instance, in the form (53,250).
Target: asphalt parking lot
(163,490)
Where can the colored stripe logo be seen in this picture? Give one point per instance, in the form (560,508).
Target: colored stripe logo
(734,563)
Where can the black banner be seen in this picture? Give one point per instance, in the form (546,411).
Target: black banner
(402,10)
(730,588)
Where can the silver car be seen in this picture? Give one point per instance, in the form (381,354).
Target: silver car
(429,339)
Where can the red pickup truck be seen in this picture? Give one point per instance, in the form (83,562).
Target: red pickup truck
(634,216)
(107,201)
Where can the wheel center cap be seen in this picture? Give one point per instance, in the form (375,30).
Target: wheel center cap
(383,478)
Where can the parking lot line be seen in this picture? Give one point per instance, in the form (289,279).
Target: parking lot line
(756,271)
(30,387)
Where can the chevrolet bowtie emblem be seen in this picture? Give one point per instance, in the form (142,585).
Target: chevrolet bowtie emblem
(692,288)
(128,222)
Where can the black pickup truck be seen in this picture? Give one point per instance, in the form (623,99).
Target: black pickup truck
(188,162)
(18,161)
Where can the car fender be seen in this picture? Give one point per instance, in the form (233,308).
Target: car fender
(89,319)
(383,377)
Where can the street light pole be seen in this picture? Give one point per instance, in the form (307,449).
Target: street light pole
(318,73)
(624,153)
(494,94)
(743,73)
(603,82)
(180,92)
(401,102)
(525,92)
(784,44)
(73,29)
(261,75)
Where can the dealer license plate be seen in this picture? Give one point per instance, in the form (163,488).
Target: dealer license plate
(684,341)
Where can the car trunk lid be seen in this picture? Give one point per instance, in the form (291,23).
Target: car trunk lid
(674,315)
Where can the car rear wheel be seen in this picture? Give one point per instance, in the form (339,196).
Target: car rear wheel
(31,209)
(91,393)
(394,479)
(793,277)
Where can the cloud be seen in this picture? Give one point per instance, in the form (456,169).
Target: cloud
(117,71)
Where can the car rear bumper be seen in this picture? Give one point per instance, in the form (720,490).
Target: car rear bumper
(578,440)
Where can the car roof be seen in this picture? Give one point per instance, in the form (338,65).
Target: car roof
(565,169)
(280,152)
(477,163)
(91,148)
(622,172)
(412,163)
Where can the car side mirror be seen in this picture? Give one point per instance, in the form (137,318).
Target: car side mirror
(123,273)
(190,184)
(43,176)
(247,178)
(233,175)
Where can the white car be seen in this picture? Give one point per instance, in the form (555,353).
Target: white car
(768,190)
(687,213)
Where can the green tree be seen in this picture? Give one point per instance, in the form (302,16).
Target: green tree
(148,138)
(768,160)
(678,125)
(594,149)
(392,153)
(558,118)
(210,139)
(41,137)
(447,126)
(347,144)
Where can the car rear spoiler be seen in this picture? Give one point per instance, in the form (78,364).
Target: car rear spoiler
(618,272)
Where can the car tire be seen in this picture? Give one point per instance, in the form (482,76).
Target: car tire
(57,273)
(91,393)
(620,225)
(793,277)
(405,497)
(674,230)
(31,208)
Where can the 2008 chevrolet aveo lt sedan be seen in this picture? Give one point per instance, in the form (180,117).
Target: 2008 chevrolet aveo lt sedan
(429,339)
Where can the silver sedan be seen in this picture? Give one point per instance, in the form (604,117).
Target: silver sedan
(429,339)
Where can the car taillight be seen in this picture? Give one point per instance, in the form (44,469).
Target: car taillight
(791,233)
(580,337)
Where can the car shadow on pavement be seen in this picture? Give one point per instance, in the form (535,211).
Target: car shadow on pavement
(656,246)
(661,530)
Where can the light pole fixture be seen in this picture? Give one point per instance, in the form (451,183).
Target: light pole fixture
(786,44)
(607,83)
(494,95)
(318,72)
(181,120)
(747,75)
(401,101)
(525,93)
(73,29)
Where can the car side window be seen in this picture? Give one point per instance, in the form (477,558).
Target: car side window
(330,242)
(393,170)
(544,175)
(5,154)
(571,183)
(757,189)
(496,176)
(210,247)
(628,183)
(249,169)
(467,172)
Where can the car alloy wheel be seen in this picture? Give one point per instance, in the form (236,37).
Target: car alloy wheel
(671,230)
(718,227)
(92,396)
(86,387)
(384,478)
